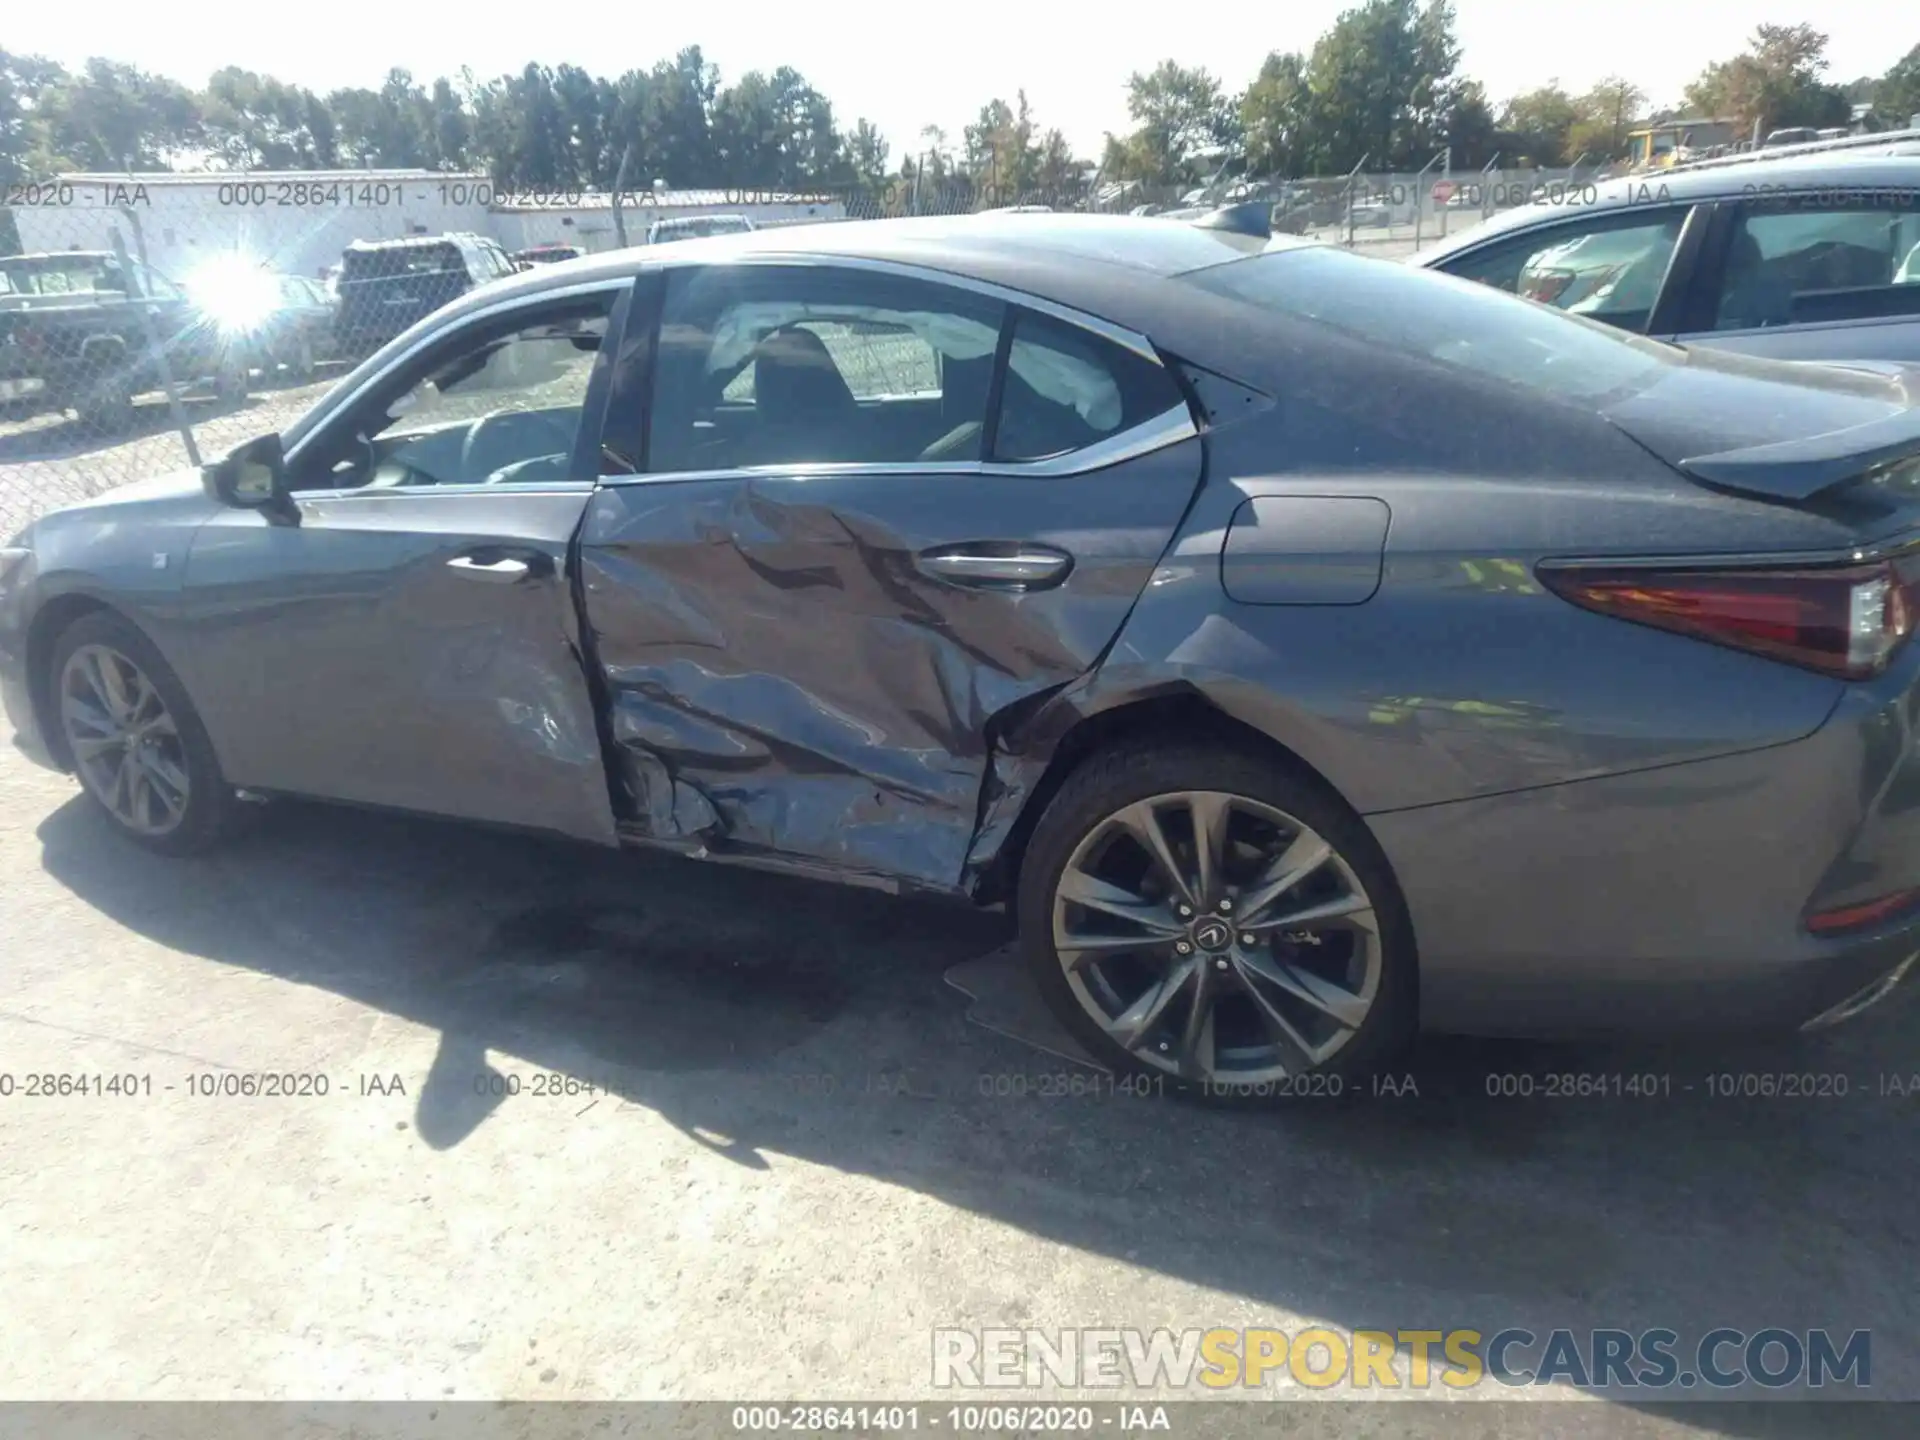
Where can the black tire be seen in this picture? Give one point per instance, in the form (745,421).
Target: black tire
(211,811)
(233,377)
(108,406)
(1110,781)
(300,363)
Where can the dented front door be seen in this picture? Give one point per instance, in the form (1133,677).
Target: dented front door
(863,540)
(814,666)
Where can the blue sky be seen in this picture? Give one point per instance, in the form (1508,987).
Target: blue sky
(903,68)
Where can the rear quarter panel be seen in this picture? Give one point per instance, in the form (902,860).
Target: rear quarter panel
(1460,675)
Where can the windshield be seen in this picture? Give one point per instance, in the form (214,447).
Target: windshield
(1453,322)
(74,275)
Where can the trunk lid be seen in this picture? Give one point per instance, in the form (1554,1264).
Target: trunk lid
(1777,430)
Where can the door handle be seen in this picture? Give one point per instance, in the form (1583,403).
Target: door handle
(506,571)
(1024,567)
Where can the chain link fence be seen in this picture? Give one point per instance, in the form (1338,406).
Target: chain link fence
(150,322)
(113,369)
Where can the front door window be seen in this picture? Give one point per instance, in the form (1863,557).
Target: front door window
(501,405)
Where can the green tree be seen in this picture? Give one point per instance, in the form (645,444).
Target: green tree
(582,121)
(1060,177)
(117,117)
(25,149)
(1541,119)
(1607,112)
(1277,115)
(746,133)
(1896,97)
(1467,127)
(1002,155)
(680,98)
(1179,112)
(1775,83)
(867,154)
(449,127)
(542,158)
(1385,86)
(390,127)
(255,121)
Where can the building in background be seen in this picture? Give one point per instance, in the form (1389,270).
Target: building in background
(299,222)
(587,220)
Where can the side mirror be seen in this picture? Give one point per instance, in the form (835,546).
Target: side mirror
(253,476)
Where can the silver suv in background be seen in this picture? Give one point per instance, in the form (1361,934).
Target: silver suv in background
(1802,257)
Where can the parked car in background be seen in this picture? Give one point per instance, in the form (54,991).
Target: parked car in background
(1045,562)
(300,331)
(81,331)
(1801,257)
(545,255)
(1603,274)
(693,227)
(386,285)
(265,321)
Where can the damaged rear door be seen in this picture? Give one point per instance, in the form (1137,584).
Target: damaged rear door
(879,510)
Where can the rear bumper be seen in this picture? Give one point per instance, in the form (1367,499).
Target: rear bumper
(1670,900)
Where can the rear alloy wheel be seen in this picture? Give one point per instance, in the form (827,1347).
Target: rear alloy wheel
(1206,918)
(137,746)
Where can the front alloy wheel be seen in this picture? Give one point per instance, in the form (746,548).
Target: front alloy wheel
(1231,931)
(134,738)
(125,744)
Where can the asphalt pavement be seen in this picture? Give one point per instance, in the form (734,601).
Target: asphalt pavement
(553,1122)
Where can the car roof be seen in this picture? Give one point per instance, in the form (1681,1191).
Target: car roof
(1115,267)
(1049,247)
(1685,185)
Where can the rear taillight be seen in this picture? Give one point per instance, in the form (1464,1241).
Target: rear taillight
(1846,622)
(1843,918)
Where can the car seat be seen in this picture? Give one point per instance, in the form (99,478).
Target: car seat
(804,409)
(1909,271)
(1753,294)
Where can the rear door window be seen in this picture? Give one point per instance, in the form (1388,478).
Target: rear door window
(1802,260)
(765,366)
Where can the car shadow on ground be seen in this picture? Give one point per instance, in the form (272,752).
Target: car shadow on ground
(763,1015)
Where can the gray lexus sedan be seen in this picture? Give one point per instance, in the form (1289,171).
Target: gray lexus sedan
(1304,648)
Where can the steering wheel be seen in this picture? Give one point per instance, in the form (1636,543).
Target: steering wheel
(496,430)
